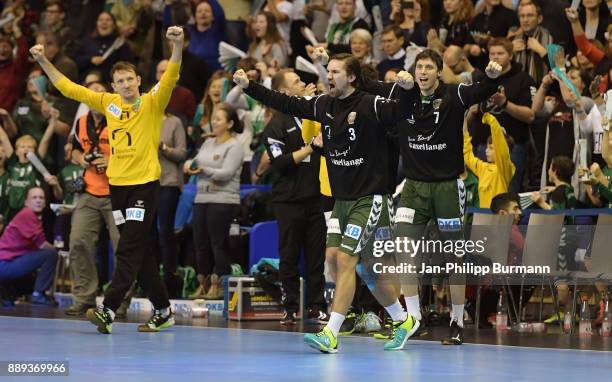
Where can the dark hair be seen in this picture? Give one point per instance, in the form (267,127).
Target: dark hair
(95,32)
(395,29)
(352,66)
(6,40)
(123,66)
(432,55)
(231,115)
(501,41)
(59,4)
(104,85)
(563,167)
(502,201)
(246,64)
(369,72)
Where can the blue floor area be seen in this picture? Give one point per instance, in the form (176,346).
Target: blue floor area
(186,353)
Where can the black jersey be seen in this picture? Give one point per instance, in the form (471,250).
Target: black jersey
(354,133)
(431,138)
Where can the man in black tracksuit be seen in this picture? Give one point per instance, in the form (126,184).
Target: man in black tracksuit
(431,144)
(296,201)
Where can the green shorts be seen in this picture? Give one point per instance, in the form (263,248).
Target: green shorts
(444,202)
(354,224)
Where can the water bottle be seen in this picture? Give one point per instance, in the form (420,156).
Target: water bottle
(234,228)
(501,319)
(567,319)
(584,327)
(606,325)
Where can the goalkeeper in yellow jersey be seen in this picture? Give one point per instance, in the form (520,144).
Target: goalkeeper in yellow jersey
(134,124)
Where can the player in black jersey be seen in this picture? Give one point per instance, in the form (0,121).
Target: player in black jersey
(431,143)
(354,142)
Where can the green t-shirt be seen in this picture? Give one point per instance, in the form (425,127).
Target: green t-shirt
(21,177)
(606,192)
(68,175)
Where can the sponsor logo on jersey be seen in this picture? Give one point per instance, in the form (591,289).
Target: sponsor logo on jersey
(114,110)
(436,103)
(404,215)
(382,233)
(333,226)
(139,203)
(351,117)
(446,225)
(118,216)
(352,231)
(276,150)
(136,214)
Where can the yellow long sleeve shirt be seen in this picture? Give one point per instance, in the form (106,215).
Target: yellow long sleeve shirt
(311,129)
(134,129)
(493,178)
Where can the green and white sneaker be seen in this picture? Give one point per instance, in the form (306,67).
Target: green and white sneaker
(324,341)
(157,322)
(401,332)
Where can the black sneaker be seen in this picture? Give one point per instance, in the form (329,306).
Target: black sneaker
(157,322)
(422,330)
(349,324)
(317,316)
(456,335)
(101,318)
(288,318)
(42,299)
(386,332)
(78,309)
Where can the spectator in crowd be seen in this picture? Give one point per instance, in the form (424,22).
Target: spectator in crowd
(23,248)
(455,25)
(182,103)
(495,174)
(207,32)
(103,48)
(55,50)
(172,151)
(457,67)
(23,175)
(412,16)
(594,17)
(511,105)
(361,46)
(508,204)
(13,68)
(267,44)
(53,22)
(600,190)
(217,85)
(392,39)
(195,73)
(6,150)
(283,11)
(495,21)
(296,201)
(338,33)
(530,40)
(93,210)
(217,165)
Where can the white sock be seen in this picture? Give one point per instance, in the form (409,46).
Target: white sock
(396,311)
(165,312)
(412,307)
(111,313)
(335,322)
(457,314)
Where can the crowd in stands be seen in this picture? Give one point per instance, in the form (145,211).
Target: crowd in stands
(545,131)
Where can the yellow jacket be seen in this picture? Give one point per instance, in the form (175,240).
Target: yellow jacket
(493,178)
(311,129)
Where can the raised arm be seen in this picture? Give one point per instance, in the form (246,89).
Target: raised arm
(162,91)
(503,163)
(480,91)
(471,161)
(391,112)
(296,106)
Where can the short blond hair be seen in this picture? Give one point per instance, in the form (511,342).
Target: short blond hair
(26,139)
(363,35)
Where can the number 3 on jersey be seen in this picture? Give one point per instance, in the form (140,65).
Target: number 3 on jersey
(352,136)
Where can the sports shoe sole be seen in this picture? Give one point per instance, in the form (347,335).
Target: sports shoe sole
(313,343)
(93,318)
(415,327)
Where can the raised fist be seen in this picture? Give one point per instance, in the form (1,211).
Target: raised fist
(175,34)
(241,79)
(493,70)
(37,52)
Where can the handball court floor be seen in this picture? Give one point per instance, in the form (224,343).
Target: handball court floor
(216,350)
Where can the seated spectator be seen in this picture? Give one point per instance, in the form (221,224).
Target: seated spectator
(22,175)
(13,68)
(53,22)
(23,248)
(267,44)
(90,51)
(412,16)
(338,33)
(217,165)
(361,46)
(508,204)
(207,32)
(495,174)
(392,39)
(455,27)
